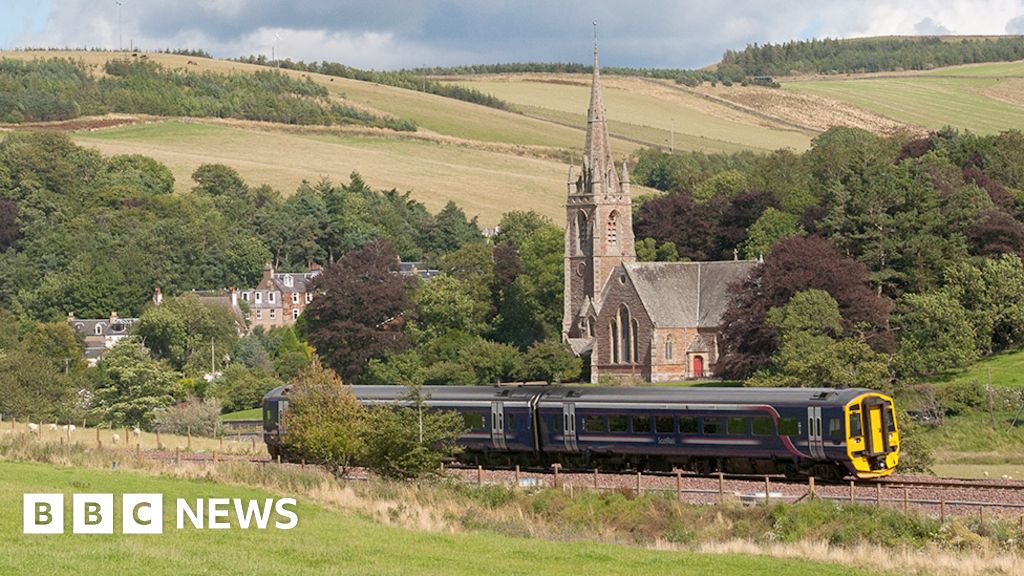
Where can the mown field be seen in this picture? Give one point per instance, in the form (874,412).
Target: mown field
(484,183)
(644,111)
(324,542)
(984,98)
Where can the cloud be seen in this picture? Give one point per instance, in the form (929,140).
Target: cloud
(1015,26)
(929,27)
(396,33)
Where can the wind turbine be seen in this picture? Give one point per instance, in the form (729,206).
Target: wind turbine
(277,37)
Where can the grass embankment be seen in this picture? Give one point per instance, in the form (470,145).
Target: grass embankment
(324,542)
(250,414)
(495,530)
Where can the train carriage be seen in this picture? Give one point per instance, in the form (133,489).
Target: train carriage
(823,432)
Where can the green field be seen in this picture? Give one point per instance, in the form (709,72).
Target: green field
(250,414)
(1003,369)
(1001,69)
(324,542)
(484,183)
(925,101)
(647,113)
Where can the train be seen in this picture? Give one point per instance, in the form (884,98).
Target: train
(823,432)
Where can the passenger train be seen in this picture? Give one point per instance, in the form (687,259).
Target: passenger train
(822,432)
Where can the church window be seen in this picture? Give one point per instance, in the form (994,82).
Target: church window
(613,229)
(613,340)
(635,355)
(668,347)
(582,240)
(590,326)
(624,331)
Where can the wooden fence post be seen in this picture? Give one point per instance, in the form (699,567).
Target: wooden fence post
(479,475)
(878,494)
(138,450)
(517,475)
(189,438)
(596,487)
(215,458)
(767,491)
(556,466)
(810,487)
(853,500)
(639,484)
(981,514)
(942,509)
(679,484)
(99,444)
(906,500)
(177,455)
(721,486)
(159,446)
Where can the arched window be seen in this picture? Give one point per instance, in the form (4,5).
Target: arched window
(626,336)
(582,238)
(590,326)
(668,347)
(613,229)
(613,340)
(99,329)
(635,352)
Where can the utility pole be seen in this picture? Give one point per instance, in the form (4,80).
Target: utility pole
(120,34)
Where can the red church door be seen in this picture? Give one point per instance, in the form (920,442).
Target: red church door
(698,367)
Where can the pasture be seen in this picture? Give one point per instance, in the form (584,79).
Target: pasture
(324,542)
(485,183)
(647,111)
(931,101)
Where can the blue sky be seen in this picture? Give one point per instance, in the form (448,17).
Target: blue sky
(396,33)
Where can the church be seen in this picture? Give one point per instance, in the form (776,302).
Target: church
(651,321)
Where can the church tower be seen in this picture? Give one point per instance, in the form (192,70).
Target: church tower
(599,221)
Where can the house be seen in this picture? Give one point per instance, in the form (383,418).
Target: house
(100,335)
(655,321)
(279,297)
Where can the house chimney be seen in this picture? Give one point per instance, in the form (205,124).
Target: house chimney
(158,298)
(113,316)
(71,316)
(234,297)
(268,272)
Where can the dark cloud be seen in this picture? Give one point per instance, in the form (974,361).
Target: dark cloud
(929,27)
(1015,26)
(394,33)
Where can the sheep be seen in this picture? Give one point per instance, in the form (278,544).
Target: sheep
(115,438)
(33,427)
(52,427)
(136,433)
(68,428)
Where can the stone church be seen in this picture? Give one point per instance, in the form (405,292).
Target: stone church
(656,321)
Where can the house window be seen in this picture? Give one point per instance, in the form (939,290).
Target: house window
(295,314)
(245,296)
(259,314)
(273,313)
(668,347)
(309,297)
(295,297)
(98,329)
(259,297)
(288,280)
(271,297)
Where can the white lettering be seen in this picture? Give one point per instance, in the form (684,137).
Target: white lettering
(281,509)
(218,508)
(142,514)
(252,509)
(42,514)
(183,510)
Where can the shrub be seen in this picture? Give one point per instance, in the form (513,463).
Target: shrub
(240,388)
(191,417)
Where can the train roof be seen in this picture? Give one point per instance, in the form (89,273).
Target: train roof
(654,395)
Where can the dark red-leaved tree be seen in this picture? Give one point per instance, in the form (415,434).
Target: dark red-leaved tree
(359,311)
(677,218)
(795,265)
(996,232)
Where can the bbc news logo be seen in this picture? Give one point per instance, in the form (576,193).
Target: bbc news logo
(144,513)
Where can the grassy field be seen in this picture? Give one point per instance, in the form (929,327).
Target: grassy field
(484,183)
(645,112)
(251,414)
(966,103)
(324,542)
(1004,369)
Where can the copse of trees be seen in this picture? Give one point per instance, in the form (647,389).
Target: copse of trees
(56,89)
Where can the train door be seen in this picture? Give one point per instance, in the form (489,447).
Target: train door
(569,425)
(498,425)
(814,439)
(875,428)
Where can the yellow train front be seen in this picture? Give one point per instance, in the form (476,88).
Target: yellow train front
(872,435)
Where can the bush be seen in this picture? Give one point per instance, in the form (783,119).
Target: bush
(191,417)
(960,397)
(409,442)
(240,388)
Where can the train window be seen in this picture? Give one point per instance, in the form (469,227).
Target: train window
(641,424)
(712,426)
(736,426)
(890,420)
(835,428)
(687,425)
(855,425)
(556,424)
(473,420)
(762,426)
(618,424)
(789,427)
(593,424)
(665,424)
(510,422)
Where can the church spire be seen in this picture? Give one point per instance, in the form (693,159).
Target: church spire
(599,168)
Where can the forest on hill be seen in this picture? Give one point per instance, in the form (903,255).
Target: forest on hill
(63,89)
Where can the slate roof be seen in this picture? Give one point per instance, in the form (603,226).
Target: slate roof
(690,294)
(300,281)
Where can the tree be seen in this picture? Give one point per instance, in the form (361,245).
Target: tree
(218,180)
(184,326)
(991,290)
(33,385)
(722,185)
(451,230)
(491,362)
(9,230)
(326,423)
(517,226)
(241,388)
(58,342)
(677,218)
(132,385)
(935,334)
(797,264)
(772,226)
(551,362)
(360,311)
(408,440)
(445,303)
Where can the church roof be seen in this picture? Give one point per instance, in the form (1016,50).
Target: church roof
(690,294)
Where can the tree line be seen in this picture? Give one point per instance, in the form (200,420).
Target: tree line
(63,89)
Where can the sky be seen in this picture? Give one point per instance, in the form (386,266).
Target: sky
(389,34)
